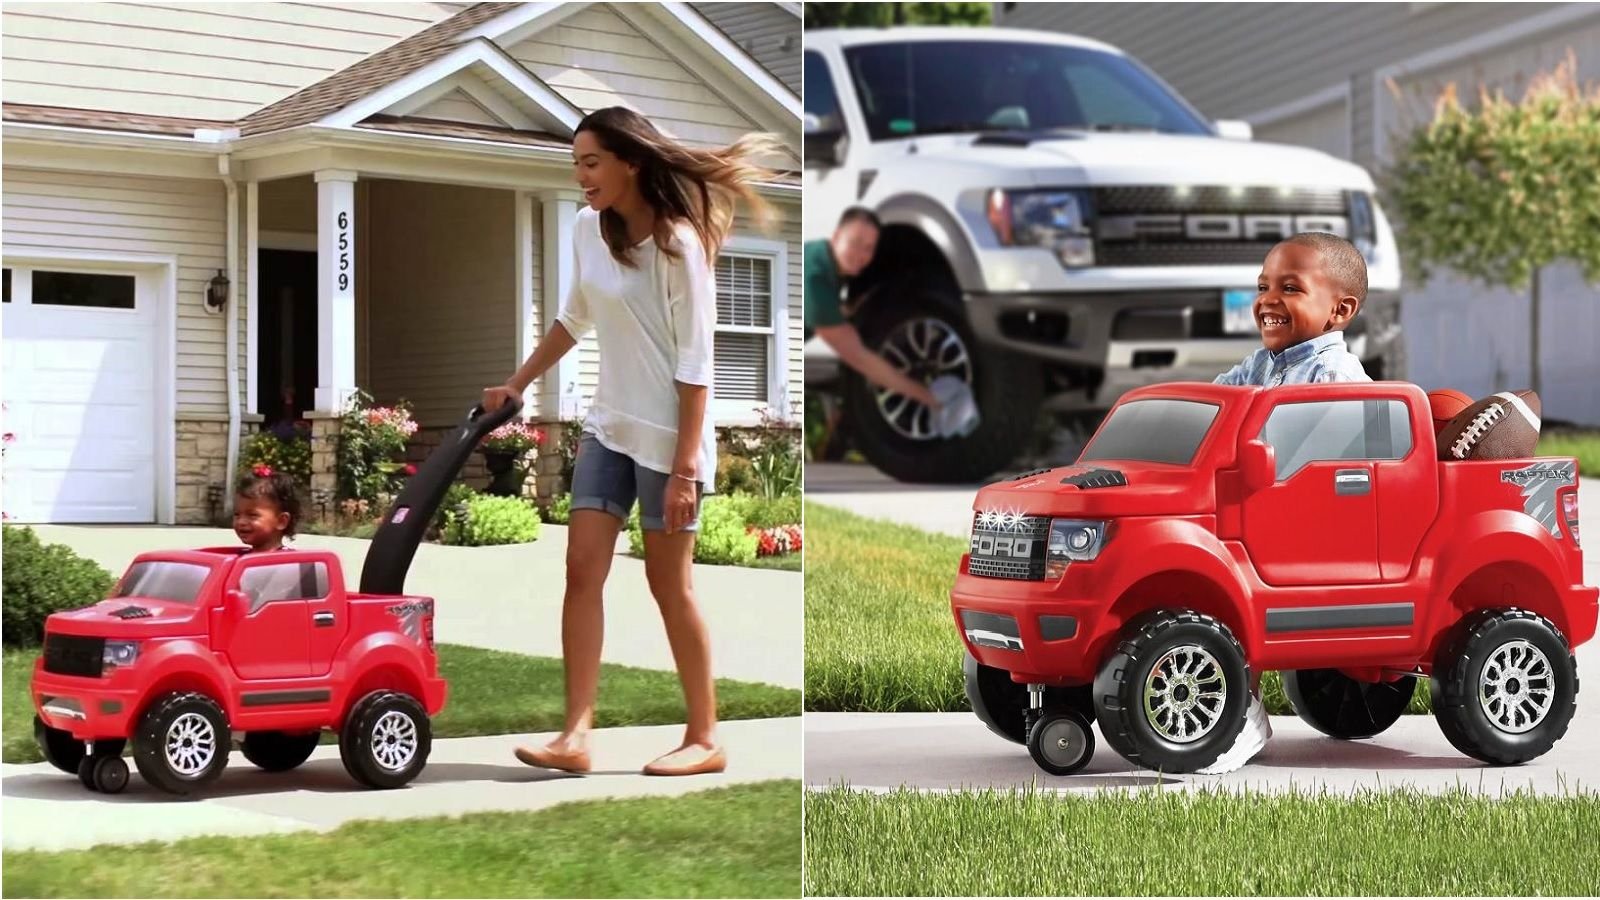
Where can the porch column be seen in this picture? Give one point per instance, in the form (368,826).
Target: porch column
(336,289)
(559,392)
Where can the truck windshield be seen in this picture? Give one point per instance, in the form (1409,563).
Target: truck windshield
(1160,431)
(940,87)
(175,581)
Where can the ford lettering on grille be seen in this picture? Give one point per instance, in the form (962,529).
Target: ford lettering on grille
(1008,546)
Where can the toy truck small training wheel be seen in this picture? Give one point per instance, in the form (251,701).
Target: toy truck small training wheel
(1061,741)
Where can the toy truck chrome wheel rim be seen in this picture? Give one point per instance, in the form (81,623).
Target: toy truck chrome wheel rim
(1184,694)
(923,349)
(1517,687)
(191,744)
(394,741)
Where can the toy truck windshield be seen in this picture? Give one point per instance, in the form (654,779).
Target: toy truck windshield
(178,582)
(1156,430)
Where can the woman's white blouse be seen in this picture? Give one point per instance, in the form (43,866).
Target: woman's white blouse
(655,324)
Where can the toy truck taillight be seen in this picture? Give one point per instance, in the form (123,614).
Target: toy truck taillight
(1569,510)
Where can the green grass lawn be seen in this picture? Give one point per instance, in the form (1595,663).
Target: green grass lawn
(879,633)
(1580,442)
(1168,843)
(490,693)
(741,841)
(788,562)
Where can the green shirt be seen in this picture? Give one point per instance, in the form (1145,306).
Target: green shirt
(822,287)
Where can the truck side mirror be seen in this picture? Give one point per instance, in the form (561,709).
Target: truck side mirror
(236,603)
(1259,464)
(824,143)
(1234,129)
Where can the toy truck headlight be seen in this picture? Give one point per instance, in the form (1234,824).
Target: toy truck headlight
(1057,220)
(1072,540)
(119,653)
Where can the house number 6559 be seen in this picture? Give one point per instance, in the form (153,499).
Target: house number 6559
(344,251)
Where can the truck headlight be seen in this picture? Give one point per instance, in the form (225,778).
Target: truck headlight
(1072,540)
(1054,219)
(119,653)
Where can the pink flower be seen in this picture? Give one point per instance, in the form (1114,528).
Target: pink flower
(262,471)
(410,469)
(9,437)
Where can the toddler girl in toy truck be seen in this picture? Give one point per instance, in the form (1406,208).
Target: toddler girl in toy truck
(265,509)
(1310,288)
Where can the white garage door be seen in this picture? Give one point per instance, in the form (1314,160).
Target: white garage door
(79,390)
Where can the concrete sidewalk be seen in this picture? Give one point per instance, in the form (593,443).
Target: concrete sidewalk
(46,809)
(509,597)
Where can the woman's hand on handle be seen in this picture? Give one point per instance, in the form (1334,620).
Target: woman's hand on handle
(498,396)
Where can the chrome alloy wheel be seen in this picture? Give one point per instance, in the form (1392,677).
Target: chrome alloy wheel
(1517,687)
(394,740)
(1184,694)
(191,744)
(923,348)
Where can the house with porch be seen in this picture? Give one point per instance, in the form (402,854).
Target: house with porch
(217,216)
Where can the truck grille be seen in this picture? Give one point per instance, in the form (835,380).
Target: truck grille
(1009,549)
(1208,225)
(68,654)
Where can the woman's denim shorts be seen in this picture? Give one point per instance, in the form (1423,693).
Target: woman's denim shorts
(609,481)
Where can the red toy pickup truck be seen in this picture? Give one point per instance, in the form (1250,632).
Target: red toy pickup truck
(196,646)
(1206,531)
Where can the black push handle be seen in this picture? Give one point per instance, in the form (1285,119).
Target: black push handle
(395,543)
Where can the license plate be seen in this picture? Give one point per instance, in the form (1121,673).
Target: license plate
(1238,312)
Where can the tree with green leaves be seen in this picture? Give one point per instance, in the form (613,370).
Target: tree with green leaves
(879,15)
(1499,190)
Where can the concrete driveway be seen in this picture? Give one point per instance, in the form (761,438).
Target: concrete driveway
(46,809)
(509,597)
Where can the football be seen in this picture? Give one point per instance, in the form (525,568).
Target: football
(1504,426)
(1446,405)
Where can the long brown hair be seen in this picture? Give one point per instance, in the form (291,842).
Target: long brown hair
(682,183)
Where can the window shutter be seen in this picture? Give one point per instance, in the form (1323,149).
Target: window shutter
(744,291)
(741,363)
(744,300)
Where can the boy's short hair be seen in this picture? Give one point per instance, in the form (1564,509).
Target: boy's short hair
(859,214)
(1340,259)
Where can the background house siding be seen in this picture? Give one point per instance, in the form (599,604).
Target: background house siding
(52,211)
(770,32)
(200,60)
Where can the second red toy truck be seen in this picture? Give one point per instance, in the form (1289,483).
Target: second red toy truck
(197,647)
(1207,532)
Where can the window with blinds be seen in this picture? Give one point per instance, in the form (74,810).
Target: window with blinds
(744,327)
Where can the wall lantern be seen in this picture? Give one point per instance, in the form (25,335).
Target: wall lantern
(217,293)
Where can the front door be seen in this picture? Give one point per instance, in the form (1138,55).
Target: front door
(287,335)
(274,639)
(1318,522)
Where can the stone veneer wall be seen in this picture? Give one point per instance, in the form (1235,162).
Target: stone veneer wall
(203,462)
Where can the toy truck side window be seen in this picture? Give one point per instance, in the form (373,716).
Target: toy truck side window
(284,581)
(1301,433)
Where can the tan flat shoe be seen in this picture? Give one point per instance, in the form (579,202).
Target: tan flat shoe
(684,761)
(546,758)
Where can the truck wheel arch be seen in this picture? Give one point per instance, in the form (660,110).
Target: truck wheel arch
(377,664)
(935,224)
(1502,584)
(180,666)
(1181,564)
(1506,561)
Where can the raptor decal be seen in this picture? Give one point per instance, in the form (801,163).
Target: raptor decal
(411,615)
(1539,483)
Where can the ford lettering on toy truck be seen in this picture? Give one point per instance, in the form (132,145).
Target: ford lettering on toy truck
(1207,532)
(195,647)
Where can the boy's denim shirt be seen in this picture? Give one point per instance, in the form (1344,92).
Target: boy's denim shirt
(1321,359)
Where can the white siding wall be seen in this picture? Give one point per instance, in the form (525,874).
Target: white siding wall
(50,210)
(200,60)
(456,106)
(597,59)
(766,31)
(441,290)
(1327,129)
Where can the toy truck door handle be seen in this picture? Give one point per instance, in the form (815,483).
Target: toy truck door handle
(1352,481)
(322,619)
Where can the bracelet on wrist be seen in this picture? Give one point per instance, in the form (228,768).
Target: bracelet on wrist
(689,478)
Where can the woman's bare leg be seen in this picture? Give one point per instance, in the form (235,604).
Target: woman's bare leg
(668,565)
(591,542)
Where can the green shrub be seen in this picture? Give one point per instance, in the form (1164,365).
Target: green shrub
(41,579)
(371,441)
(723,540)
(561,509)
(765,512)
(736,475)
(455,499)
(487,520)
(291,456)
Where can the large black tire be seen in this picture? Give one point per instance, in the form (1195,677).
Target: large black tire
(1002,704)
(182,742)
(1518,658)
(1006,386)
(1061,741)
(278,751)
(60,748)
(1342,707)
(1210,685)
(386,739)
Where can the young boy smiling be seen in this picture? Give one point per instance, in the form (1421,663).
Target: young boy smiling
(1310,288)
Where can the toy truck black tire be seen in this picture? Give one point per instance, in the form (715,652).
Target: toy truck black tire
(1002,704)
(278,751)
(386,739)
(1120,686)
(1340,706)
(182,742)
(60,748)
(1505,643)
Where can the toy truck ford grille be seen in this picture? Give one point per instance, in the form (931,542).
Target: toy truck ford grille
(1006,545)
(67,654)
